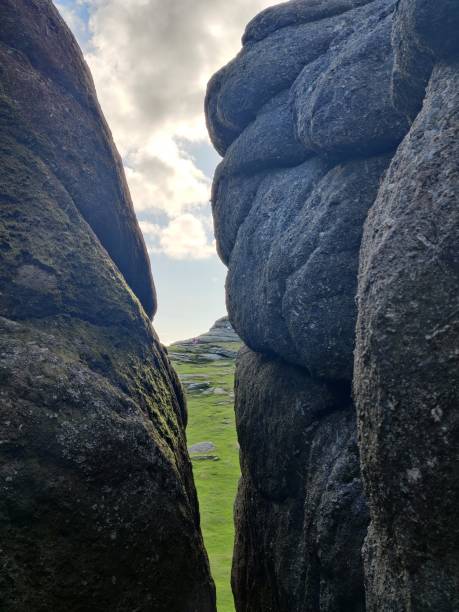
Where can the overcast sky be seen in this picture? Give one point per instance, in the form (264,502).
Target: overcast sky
(151,60)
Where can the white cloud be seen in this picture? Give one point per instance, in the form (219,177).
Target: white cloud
(150,229)
(184,237)
(151,60)
(163,177)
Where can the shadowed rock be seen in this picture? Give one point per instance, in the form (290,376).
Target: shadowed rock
(309,116)
(98,509)
(300,228)
(302,239)
(407,376)
(423,31)
(300,478)
(46,80)
(295,12)
(342,102)
(268,66)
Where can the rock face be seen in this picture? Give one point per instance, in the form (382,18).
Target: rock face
(221,332)
(309,117)
(317,217)
(300,479)
(220,342)
(98,509)
(41,64)
(294,114)
(407,374)
(315,209)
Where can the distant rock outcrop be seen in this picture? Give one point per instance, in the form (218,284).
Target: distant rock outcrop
(309,117)
(98,508)
(221,331)
(220,342)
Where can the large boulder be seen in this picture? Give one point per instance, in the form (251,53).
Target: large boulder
(269,62)
(300,513)
(98,509)
(309,116)
(305,118)
(302,239)
(407,375)
(423,32)
(353,42)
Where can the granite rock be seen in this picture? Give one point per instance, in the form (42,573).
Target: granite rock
(98,509)
(407,376)
(268,65)
(337,116)
(300,513)
(342,103)
(302,239)
(40,61)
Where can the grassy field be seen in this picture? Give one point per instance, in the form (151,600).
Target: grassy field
(211,418)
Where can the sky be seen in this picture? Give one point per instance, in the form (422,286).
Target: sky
(151,61)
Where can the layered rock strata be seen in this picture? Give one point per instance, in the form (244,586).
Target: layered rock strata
(309,118)
(98,509)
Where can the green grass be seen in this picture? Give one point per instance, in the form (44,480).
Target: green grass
(216,481)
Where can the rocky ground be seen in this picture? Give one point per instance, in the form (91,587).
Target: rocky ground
(206,369)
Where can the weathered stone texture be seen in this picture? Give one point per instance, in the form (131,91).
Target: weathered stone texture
(300,228)
(43,74)
(302,239)
(407,362)
(423,32)
(308,117)
(300,477)
(98,509)
(252,182)
(342,103)
(305,120)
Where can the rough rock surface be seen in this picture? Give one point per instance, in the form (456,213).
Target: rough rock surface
(341,103)
(305,119)
(300,477)
(40,61)
(98,509)
(296,299)
(301,181)
(309,116)
(407,361)
(423,32)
